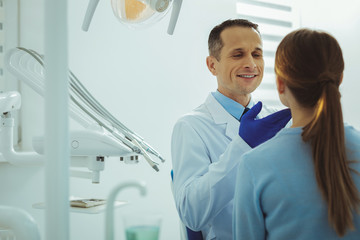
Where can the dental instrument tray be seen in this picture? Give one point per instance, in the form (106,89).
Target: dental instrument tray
(104,135)
(86,203)
(91,202)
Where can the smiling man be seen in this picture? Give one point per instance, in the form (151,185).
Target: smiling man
(204,140)
(236,59)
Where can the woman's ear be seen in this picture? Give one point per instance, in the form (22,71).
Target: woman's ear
(341,78)
(280,85)
(211,64)
(283,91)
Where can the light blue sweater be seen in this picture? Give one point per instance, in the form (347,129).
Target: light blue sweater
(277,197)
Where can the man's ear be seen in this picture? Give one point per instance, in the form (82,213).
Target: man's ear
(211,64)
(280,85)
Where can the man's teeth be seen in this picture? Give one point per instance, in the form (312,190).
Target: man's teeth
(247,76)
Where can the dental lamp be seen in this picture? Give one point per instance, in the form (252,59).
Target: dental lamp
(103,135)
(135,13)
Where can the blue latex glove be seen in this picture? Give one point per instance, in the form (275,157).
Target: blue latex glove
(256,131)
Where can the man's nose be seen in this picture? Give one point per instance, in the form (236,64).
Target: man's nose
(249,63)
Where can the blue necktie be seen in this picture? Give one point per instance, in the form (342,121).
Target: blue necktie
(245,111)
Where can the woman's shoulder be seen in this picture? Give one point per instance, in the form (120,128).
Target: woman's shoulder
(352,139)
(283,143)
(352,134)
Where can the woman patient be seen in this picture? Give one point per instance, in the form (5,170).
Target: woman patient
(303,183)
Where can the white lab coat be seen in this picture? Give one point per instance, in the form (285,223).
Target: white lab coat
(204,171)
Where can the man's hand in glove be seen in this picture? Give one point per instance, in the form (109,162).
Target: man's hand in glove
(256,131)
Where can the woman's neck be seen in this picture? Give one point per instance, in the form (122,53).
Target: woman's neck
(301,116)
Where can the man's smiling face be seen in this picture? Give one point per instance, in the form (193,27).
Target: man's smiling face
(240,68)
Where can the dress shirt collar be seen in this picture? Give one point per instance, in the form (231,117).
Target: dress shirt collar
(231,106)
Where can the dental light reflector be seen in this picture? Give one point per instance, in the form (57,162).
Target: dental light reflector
(133,9)
(138,13)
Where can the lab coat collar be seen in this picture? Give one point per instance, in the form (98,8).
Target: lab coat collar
(221,116)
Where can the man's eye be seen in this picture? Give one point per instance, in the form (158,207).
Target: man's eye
(257,55)
(237,55)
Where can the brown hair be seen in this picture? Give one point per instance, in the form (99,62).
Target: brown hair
(311,65)
(215,43)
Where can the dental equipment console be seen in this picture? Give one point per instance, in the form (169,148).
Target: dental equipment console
(103,136)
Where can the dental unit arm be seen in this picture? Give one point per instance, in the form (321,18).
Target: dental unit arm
(103,136)
(11,101)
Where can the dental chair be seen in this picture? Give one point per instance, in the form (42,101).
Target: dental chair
(186,233)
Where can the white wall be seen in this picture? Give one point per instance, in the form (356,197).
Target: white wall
(147,79)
